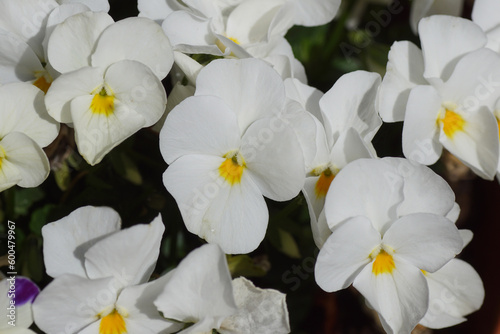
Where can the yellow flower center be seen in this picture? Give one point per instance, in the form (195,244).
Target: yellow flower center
(43,81)
(113,323)
(383,264)
(222,47)
(103,103)
(452,122)
(2,156)
(498,122)
(232,168)
(323,184)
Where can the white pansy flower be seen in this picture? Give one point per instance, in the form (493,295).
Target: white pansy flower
(101,275)
(25,129)
(200,293)
(243,29)
(23,41)
(386,236)
(110,86)
(346,122)
(228,146)
(456,114)
(408,66)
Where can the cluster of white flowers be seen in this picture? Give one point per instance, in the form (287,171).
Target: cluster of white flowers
(242,128)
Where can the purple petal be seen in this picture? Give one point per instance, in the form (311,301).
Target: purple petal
(26,291)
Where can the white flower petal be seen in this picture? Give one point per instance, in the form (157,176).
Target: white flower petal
(67,240)
(483,13)
(23,110)
(9,175)
(315,13)
(26,19)
(345,253)
(188,66)
(199,289)
(237,217)
(97,134)
(471,88)
(351,103)
(349,147)
(307,96)
(400,298)
(58,15)
(420,128)
(234,217)
(193,182)
(405,69)
(455,291)
(424,190)
(94,5)
(425,240)
(199,125)
(128,255)
(69,86)
(28,158)
(70,303)
(136,86)
(18,62)
(73,41)
(477,145)
(196,35)
(251,21)
(259,310)
(138,301)
(365,187)
(178,94)
(135,38)
(250,87)
(274,158)
(157,10)
(441,46)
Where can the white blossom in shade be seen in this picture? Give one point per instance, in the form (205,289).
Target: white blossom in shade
(228,146)
(242,29)
(387,235)
(212,27)
(425,8)
(101,276)
(346,122)
(259,310)
(16,296)
(110,86)
(409,67)
(25,27)
(483,14)
(455,290)
(457,114)
(200,293)
(25,129)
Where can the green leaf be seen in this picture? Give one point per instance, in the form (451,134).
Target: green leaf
(32,259)
(284,242)
(243,265)
(126,168)
(39,218)
(63,177)
(24,198)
